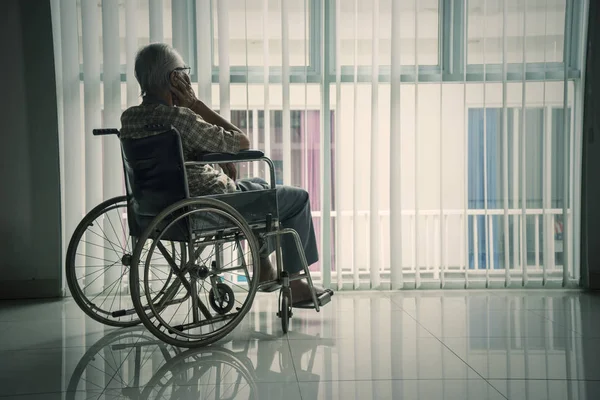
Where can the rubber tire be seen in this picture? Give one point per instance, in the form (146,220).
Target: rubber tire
(221,287)
(134,277)
(76,291)
(285,314)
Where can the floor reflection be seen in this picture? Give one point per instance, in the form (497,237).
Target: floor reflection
(534,344)
(132,364)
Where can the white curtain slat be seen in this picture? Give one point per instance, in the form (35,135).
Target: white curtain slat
(325,156)
(204,51)
(224,76)
(475,245)
(111,163)
(255,165)
(305,142)
(92,105)
(546,150)
(55,10)
(92,120)
(416,150)
(567,148)
(548,219)
(465,224)
(506,236)
(486,225)
(131,47)
(396,244)
(249,129)
(490,244)
(113,173)
(515,181)
(537,246)
(442,229)
(266,75)
(574,269)
(356,156)
(73,149)
(180,28)
(374,245)
(155,9)
(523,154)
(338,156)
(285,86)
(485,247)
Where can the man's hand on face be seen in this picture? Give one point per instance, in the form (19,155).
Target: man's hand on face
(230,170)
(181,88)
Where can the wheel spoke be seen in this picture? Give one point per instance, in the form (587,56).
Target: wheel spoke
(177,309)
(86,286)
(88,243)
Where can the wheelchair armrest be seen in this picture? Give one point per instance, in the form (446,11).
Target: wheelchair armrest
(109,131)
(246,155)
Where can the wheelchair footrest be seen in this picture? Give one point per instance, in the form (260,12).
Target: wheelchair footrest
(269,287)
(323,299)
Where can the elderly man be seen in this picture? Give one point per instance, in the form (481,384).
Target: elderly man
(168,98)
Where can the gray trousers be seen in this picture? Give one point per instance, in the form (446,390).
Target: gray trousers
(294,212)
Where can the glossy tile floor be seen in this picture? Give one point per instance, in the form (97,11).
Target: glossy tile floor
(528,344)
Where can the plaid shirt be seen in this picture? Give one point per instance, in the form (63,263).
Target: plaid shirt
(197,136)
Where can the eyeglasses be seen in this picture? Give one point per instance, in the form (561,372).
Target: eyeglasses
(187,70)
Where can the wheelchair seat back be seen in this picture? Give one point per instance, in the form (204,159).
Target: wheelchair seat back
(155,179)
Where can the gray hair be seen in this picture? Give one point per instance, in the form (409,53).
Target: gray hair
(153,66)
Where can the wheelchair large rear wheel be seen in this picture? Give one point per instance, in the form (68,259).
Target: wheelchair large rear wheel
(195,309)
(98,261)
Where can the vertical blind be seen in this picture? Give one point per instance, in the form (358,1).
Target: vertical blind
(439,139)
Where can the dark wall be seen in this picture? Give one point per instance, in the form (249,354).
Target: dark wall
(30,232)
(590,207)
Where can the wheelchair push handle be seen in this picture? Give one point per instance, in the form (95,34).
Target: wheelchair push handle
(114,131)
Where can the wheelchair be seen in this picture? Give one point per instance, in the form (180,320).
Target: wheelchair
(186,267)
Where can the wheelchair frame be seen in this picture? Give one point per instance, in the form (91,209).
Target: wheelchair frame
(270,228)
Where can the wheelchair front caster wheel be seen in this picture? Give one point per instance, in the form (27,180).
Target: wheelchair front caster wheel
(225,301)
(285,310)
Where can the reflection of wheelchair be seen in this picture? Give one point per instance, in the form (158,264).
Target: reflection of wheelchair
(187,267)
(131,364)
(235,372)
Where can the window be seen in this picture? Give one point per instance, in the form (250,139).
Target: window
(419,30)
(533,34)
(452,42)
(485,177)
(246,35)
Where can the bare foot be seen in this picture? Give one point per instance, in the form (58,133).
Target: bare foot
(267,272)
